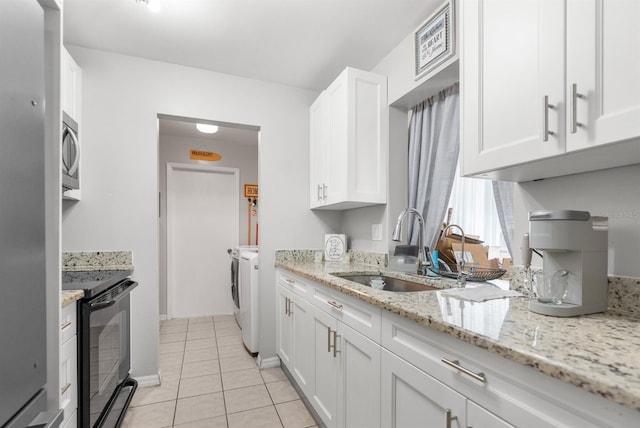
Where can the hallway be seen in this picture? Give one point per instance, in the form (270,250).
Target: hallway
(209,380)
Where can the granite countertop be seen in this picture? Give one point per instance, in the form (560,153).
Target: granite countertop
(598,353)
(70,296)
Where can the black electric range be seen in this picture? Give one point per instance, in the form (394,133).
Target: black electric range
(104,345)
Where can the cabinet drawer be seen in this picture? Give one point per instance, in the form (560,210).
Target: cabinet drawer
(68,377)
(67,322)
(509,390)
(360,316)
(293,283)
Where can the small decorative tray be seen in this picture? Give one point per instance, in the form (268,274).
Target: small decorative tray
(476,274)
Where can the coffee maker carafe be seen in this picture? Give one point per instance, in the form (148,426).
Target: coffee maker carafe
(576,243)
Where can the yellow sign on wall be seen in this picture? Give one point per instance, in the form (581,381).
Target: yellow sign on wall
(204,155)
(250,190)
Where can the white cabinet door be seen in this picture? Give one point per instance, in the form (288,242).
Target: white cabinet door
(68,374)
(325,379)
(318,129)
(303,343)
(512,61)
(349,142)
(603,62)
(477,417)
(284,338)
(359,388)
(71,86)
(411,398)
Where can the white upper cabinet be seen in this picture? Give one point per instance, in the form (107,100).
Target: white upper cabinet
(349,142)
(71,86)
(547,84)
(512,61)
(603,69)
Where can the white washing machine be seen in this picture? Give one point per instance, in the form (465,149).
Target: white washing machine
(248,286)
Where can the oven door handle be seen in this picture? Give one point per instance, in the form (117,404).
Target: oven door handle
(101,305)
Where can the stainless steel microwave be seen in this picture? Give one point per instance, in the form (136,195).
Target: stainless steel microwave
(70,153)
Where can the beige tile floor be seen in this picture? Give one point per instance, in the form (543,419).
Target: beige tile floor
(210,380)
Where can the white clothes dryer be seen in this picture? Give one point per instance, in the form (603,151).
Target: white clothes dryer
(248,285)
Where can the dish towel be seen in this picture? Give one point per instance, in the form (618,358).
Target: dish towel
(480,293)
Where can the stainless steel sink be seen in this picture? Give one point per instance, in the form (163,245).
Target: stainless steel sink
(391,284)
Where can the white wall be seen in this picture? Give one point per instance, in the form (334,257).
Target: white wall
(176,149)
(121,99)
(614,193)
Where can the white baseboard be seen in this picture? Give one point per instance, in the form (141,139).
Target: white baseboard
(267,363)
(163,317)
(150,380)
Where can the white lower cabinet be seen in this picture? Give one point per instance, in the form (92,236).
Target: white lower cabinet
(360,366)
(336,367)
(478,417)
(358,379)
(285,326)
(68,366)
(412,398)
(346,381)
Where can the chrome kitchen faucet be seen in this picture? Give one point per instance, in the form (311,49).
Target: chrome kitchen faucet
(422,265)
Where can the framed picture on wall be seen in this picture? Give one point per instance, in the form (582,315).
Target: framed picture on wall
(434,39)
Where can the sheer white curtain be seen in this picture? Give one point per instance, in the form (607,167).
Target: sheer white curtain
(434,144)
(474,209)
(503,195)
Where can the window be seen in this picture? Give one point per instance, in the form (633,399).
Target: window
(474,209)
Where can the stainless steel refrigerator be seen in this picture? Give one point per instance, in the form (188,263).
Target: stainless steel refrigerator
(23,359)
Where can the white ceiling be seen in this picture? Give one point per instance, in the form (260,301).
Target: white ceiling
(302,43)
(186,129)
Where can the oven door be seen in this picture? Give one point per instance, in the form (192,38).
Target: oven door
(104,355)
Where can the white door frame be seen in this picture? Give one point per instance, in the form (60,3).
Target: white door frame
(173,167)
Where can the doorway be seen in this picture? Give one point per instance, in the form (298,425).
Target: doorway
(202,223)
(235,147)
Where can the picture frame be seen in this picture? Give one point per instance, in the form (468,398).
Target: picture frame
(434,39)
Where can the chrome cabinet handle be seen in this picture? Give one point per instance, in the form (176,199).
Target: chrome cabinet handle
(65,388)
(65,325)
(287,306)
(336,305)
(324,191)
(545,114)
(319,192)
(456,365)
(333,333)
(448,418)
(574,108)
(290,308)
(290,281)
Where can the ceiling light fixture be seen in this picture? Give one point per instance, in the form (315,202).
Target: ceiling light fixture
(206,128)
(152,5)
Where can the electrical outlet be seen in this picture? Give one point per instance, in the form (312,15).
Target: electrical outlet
(376,232)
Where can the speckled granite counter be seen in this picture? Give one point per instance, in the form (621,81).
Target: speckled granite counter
(598,353)
(70,296)
(97,260)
